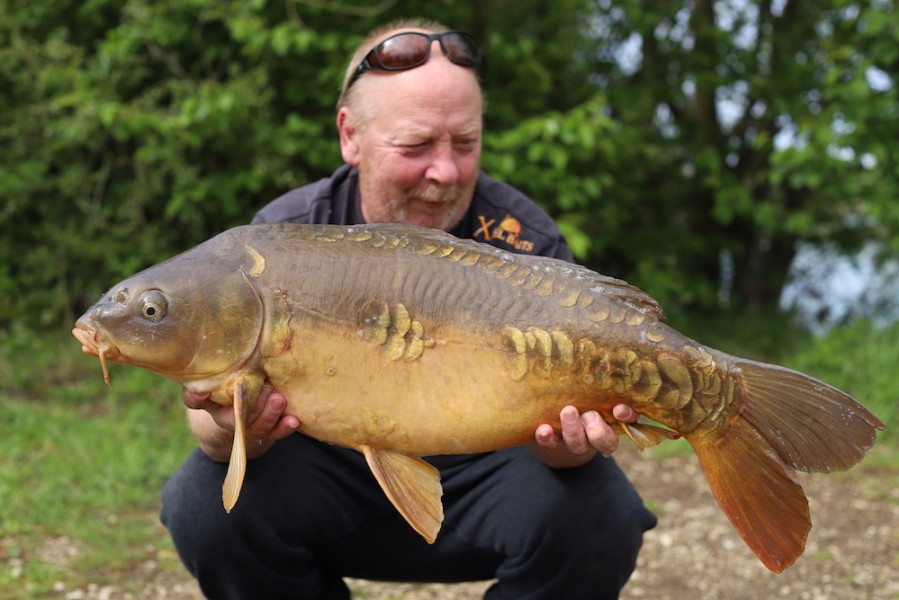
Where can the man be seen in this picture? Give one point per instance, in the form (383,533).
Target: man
(551,520)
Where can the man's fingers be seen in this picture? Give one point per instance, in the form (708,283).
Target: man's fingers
(546,436)
(573,431)
(194,400)
(287,425)
(222,415)
(268,417)
(625,413)
(602,437)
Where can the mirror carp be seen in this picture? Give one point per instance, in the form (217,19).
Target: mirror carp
(399,341)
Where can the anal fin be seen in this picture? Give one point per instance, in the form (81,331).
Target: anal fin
(412,485)
(644,435)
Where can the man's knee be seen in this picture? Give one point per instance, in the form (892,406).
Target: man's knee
(596,515)
(192,510)
(599,498)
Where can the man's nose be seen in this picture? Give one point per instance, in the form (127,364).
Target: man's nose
(442,168)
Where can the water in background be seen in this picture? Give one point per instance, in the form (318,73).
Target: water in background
(827,287)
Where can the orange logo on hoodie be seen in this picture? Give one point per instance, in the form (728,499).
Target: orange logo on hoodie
(508,231)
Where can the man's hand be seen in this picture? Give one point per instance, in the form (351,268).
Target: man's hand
(213,424)
(582,436)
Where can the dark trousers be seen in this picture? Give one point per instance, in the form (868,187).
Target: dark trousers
(310,513)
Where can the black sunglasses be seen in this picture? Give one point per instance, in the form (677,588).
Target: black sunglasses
(411,49)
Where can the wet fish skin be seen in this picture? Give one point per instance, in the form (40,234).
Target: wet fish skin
(399,341)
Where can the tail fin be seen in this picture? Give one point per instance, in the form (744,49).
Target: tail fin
(788,421)
(813,426)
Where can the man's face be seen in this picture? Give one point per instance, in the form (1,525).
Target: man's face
(417,143)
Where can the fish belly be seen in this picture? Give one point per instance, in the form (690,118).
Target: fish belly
(456,394)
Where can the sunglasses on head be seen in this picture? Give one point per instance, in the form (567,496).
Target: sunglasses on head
(411,49)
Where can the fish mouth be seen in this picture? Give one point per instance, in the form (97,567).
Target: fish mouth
(93,343)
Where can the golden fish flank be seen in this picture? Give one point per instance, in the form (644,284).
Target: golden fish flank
(480,346)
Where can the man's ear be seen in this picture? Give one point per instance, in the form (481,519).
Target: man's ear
(349,144)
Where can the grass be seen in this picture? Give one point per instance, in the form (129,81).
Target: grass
(82,468)
(82,465)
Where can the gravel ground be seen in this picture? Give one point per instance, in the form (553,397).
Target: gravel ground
(852,552)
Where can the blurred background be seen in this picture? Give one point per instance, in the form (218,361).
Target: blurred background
(736,159)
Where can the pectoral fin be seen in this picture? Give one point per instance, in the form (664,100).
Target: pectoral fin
(245,393)
(645,436)
(412,485)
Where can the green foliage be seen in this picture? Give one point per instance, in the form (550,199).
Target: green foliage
(754,126)
(145,137)
(132,130)
(663,136)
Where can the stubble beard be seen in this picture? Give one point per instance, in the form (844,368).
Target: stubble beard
(429,205)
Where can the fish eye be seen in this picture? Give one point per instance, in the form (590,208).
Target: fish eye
(153,305)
